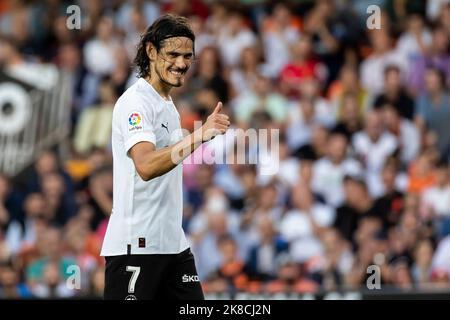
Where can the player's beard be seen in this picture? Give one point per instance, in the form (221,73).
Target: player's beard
(177,81)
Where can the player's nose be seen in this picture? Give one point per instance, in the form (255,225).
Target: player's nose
(181,63)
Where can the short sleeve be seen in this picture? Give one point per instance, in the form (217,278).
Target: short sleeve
(136,125)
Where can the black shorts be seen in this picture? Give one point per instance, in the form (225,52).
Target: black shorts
(152,276)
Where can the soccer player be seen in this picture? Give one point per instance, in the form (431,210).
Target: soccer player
(147,254)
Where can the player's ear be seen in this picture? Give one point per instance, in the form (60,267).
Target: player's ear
(151,51)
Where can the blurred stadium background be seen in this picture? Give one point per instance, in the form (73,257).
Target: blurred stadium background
(364,117)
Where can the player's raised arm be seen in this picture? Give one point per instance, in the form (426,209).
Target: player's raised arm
(151,163)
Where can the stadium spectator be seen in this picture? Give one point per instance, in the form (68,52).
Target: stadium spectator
(444,16)
(10,203)
(76,237)
(46,276)
(302,65)
(266,207)
(372,68)
(22,233)
(437,199)
(233,37)
(97,283)
(389,206)
(421,268)
(311,109)
(231,268)
(261,97)
(348,85)
(358,205)
(321,23)
(60,204)
(317,147)
(350,116)
(440,263)
(372,146)
(244,76)
(207,75)
(11,286)
(268,249)
(394,93)
(94,125)
(302,225)
(437,57)
(329,171)
(330,269)
(279,31)
(421,172)
(405,132)
(99,52)
(415,40)
(433,109)
(47,163)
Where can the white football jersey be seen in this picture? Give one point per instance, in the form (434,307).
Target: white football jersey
(146,216)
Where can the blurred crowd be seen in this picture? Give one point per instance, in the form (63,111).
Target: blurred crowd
(364,122)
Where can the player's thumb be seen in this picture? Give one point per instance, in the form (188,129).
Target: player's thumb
(218,108)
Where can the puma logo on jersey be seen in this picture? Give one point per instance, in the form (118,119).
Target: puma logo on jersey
(165,126)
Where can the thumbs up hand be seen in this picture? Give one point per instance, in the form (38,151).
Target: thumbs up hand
(217,123)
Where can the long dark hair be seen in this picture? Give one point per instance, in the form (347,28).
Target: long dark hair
(166,26)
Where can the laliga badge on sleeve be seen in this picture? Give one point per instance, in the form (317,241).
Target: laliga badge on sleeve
(135,122)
